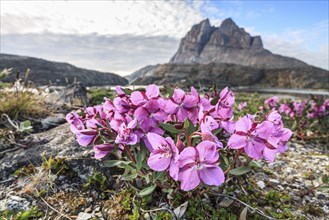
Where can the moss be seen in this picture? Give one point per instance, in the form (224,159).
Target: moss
(34,212)
(96,96)
(55,165)
(313,210)
(25,171)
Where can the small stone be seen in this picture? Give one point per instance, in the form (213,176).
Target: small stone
(98,214)
(226,202)
(296,198)
(84,216)
(281,188)
(321,196)
(261,184)
(88,210)
(274,181)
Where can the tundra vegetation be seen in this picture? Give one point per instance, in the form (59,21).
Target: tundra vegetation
(175,154)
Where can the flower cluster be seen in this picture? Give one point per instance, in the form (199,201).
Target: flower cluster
(183,132)
(311,108)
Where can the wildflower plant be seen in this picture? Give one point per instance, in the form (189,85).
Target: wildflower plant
(170,137)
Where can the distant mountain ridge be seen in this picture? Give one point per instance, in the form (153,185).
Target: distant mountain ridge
(215,54)
(43,71)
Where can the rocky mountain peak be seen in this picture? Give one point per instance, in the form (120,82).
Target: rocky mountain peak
(228,26)
(227,43)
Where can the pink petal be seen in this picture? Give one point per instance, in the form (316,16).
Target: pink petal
(102,150)
(189,178)
(190,101)
(156,141)
(170,107)
(244,124)
(207,152)
(270,154)
(264,129)
(237,141)
(152,106)
(181,114)
(187,156)
(152,91)
(213,176)
(178,96)
(137,98)
(141,113)
(158,161)
(253,151)
(119,90)
(173,171)
(160,116)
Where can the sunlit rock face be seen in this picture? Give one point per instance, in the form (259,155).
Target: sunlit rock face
(228,44)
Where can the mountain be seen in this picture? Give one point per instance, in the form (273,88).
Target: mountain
(141,72)
(215,54)
(42,72)
(228,44)
(227,74)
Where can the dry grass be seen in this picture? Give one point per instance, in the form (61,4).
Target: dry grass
(20,100)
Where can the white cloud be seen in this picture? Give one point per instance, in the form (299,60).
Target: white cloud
(147,18)
(121,54)
(122,36)
(310,45)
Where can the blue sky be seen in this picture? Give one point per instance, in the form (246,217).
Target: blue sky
(123,36)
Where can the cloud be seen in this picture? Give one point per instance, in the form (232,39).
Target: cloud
(309,45)
(121,54)
(122,36)
(147,18)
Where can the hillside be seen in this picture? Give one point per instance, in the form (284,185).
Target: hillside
(42,72)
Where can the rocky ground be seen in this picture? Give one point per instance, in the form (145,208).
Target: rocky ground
(54,178)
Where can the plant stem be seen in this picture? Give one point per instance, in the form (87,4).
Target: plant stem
(234,161)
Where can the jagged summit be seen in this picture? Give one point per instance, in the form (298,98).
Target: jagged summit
(228,55)
(227,43)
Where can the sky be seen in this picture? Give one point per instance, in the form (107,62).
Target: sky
(124,36)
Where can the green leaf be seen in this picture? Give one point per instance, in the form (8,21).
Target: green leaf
(255,164)
(115,163)
(215,132)
(240,170)
(170,128)
(294,125)
(325,179)
(129,177)
(188,125)
(147,190)
(214,101)
(25,215)
(25,126)
(169,90)
(127,91)
(141,155)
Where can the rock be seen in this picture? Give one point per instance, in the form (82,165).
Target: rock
(274,181)
(75,93)
(261,184)
(56,142)
(42,72)
(229,56)
(228,44)
(321,196)
(141,73)
(226,202)
(84,216)
(52,121)
(14,203)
